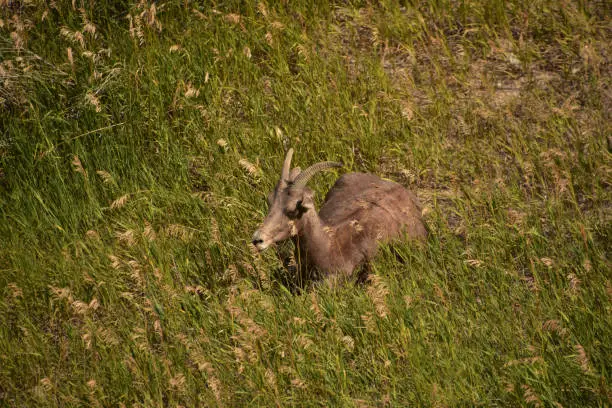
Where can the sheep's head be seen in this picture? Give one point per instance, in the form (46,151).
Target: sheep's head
(289,201)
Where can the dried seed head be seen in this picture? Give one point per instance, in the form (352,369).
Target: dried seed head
(261,7)
(530,396)
(252,169)
(582,359)
(126,237)
(269,38)
(149,232)
(15,290)
(277,25)
(377,292)
(120,202)
(179,231)
(177,382)
(115,262)
(191,91)
(298,383)
(61,293)
(574,282)
(232,18)
(79,307)
(547,261)
(46,384)
(315,307)
(349,343)
(105,175)
(78,167)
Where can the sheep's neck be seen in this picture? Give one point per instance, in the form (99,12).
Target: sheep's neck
(313,240)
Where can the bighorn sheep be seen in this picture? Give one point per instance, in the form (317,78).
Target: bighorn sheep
(360,211)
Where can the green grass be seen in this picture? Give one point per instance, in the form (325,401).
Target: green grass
(133,172)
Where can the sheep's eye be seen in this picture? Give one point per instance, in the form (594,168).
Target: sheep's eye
(297,211)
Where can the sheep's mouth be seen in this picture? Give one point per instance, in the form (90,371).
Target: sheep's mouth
(261,245)
(259,242)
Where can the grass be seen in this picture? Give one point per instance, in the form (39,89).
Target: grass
(138,142)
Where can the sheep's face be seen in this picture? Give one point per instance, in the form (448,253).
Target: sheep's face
(289,201)
(286,208)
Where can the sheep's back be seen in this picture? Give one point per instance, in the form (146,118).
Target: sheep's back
(363,210)
(372,206)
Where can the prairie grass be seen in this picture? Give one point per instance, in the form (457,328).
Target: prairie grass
(138,141)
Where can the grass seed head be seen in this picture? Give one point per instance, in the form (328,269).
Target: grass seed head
(298,383)
(61,293)
(349,343)
(78,166)
(149,232)
(105,176)
(80,308)
(120,202)
(250,168)
(116,262)
(179,231)
(582,359)
(191,91)
(269,38)
(126,237)
(263,10)
(233,18)
(574,283)
(16,291)
(277,25)
(531,397)
(377,292)
(94,101)
(315,307)
(178,382)
(247,52)
(215,386)
(46,384)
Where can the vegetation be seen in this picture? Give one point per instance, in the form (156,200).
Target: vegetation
(138,142)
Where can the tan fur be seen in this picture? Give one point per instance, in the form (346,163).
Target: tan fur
(360,212)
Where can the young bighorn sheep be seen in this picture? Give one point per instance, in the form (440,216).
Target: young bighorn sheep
(360,211)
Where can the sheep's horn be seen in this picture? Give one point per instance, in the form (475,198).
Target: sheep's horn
(306,175)
(287,165)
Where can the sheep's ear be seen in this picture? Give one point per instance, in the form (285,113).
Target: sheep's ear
(294,173)
(307,201)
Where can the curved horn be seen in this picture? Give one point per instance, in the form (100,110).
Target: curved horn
(306,175)
(287,165)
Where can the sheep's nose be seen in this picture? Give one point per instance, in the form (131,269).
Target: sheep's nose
(256,239)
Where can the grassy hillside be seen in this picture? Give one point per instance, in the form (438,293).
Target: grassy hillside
(138,141)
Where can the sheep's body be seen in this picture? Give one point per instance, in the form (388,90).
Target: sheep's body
(359,212)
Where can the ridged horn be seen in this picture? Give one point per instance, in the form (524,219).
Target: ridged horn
(305,176)
(287,166)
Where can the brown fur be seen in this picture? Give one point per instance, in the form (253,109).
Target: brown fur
(360,212)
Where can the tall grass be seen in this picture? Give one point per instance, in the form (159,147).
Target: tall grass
(138,142)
